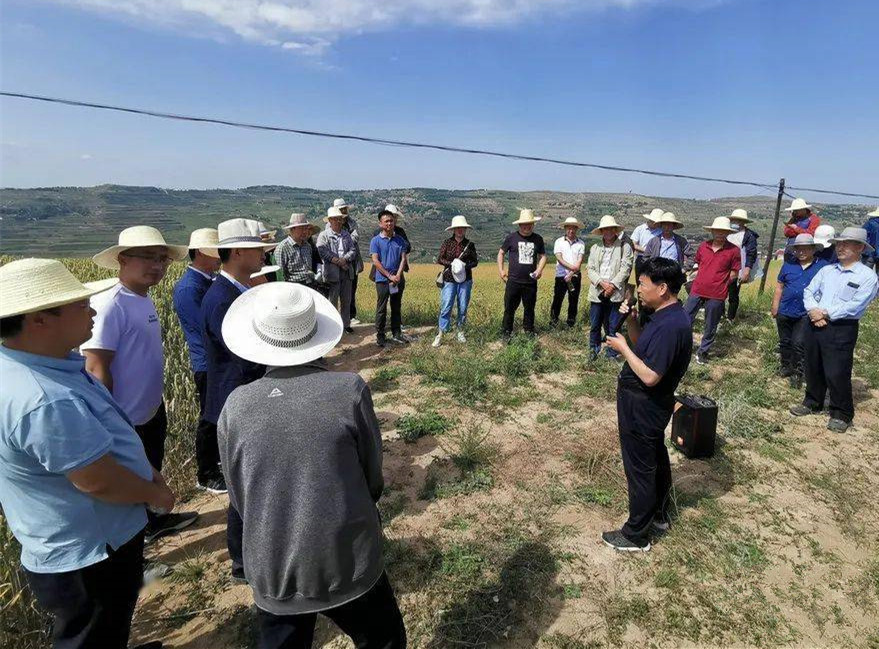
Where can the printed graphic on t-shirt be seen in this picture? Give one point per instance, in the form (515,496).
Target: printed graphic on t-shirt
(526,252)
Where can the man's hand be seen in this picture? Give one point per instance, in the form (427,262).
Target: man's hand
(746,276)
(625,309)
(816,314)
(164,499)
(820,323)
(773,311)
(617,342)
(504,275)
(538,273)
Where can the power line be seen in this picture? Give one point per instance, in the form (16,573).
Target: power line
(417,145)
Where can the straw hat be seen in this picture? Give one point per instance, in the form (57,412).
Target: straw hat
(571,220)
(797,204)
(824,235)
(720,223)
(393,209)
(804,240)
(138,236)
(858,235)
(241,233)
(297,219)
(29,285)
(281,324)
(654,215)
(340,203)
(739,215)
(265,270)
(459,221)
(669,217)
(205,241)
(333,213)
(526,216)
(607,221)
(874,212)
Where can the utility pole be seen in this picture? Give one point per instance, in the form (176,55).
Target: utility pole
(771,249)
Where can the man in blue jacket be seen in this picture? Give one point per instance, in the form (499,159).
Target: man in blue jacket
(189,292)
(746,239)
(241,252)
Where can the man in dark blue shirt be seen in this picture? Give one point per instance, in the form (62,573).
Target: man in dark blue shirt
(645,400)
(390,253)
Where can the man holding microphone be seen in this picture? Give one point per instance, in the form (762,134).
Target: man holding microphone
(654,366)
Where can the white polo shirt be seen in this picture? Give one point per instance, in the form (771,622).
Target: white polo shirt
(568,251)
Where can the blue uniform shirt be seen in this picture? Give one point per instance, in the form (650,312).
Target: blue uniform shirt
(390,253)
(54,419)
(665,345)
(188,294)
(843,293)
(795,279)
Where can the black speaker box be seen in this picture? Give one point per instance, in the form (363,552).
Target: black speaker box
(694,425)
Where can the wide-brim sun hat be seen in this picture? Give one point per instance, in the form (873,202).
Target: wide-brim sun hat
(205,241)
(874,212)
(333,213)
(137,236)
(265,270)
(29,285)
(655,214)
(804,240)
(720,223)
(281,324)
(299,220)
(858,235)
(241,233)
(393,209)
(669,217)
(459,221)
(607,221)
(340,203)
(824,235)
(526,216)
(797,204)
(739,215)
(571,220)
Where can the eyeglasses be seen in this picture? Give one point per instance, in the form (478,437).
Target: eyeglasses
(161,260)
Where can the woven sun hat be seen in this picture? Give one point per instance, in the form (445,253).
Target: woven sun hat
(824,235)
(267,231)
(797,204)
(299,220)
(874,212)
(281,324)
(340,203)
(571,220)
(393,209)
(607,221)
(333,213)
(804,240)
(205,241)
(526,216)
(459,221)
(669,217)
(265,270)
(241,233)
(29,285)
(720,223)
(858,235)
(739,215)
(138,236)
(654,215)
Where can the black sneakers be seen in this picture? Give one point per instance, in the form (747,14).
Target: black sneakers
(216,485)
(168,524)
(837,425)
(801,410)
(618,541)
(702,358)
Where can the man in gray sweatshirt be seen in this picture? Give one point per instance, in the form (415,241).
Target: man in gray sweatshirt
(302,454)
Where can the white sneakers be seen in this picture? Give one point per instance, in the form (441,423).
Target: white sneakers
(438,340)
(461,338)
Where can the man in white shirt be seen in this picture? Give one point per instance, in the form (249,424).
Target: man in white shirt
(125,350)
(642,235)
(569,251)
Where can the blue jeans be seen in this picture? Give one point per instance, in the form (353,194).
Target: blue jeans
(603,314)
(452,293)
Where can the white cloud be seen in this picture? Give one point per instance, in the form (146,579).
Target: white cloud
(309,27)
(85,156)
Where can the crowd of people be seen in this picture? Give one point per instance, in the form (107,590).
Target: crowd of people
(83,422)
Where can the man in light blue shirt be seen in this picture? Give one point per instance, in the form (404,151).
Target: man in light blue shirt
(74,476)
(835,300)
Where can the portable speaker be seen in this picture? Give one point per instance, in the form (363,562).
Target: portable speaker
(694,425)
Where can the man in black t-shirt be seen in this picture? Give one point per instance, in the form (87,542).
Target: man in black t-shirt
(645,400)
(527,259)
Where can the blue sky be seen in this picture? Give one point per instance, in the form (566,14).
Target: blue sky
(750,89)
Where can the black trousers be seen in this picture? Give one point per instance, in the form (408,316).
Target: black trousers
(207,453)
(733,300)
(383,297)
(372,621)
(514,294)
(153,434)
(559,291)
(829,355)
(235,540)
(642,420)
(353,310)
(92,607)
(791,332)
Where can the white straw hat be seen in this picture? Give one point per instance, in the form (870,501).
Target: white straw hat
(874,212)
(281,324)
(393,209)
(739,215)
(333,213)
(205,241)
(797,204)
(526,216)
(858,235)
(29,285)
(265,270)
(824,235)
(340,203)
(138,236)
(571,220)
(669,217)
(458,221)
(241,233)
(655,213)
(607,221)
(720,223)
(298,219)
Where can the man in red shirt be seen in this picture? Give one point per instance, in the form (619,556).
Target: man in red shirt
(718,262)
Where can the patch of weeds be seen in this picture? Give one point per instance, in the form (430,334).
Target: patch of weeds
(846,497)
(780,449)
(596,466)
(572,591)
(390,506)
(241,623)
(462,484)
(749,387)
(619,611)
(470,448)
(565,641)
(741,419)
(459,522)
(462,563)
(412,562)
(596,378)
(667,578)
(595,495)
(464,375)
(421,424)
(523,357)
(200,582)
(544,418)
(386,378)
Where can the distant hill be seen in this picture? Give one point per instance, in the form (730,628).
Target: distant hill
(78,221)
